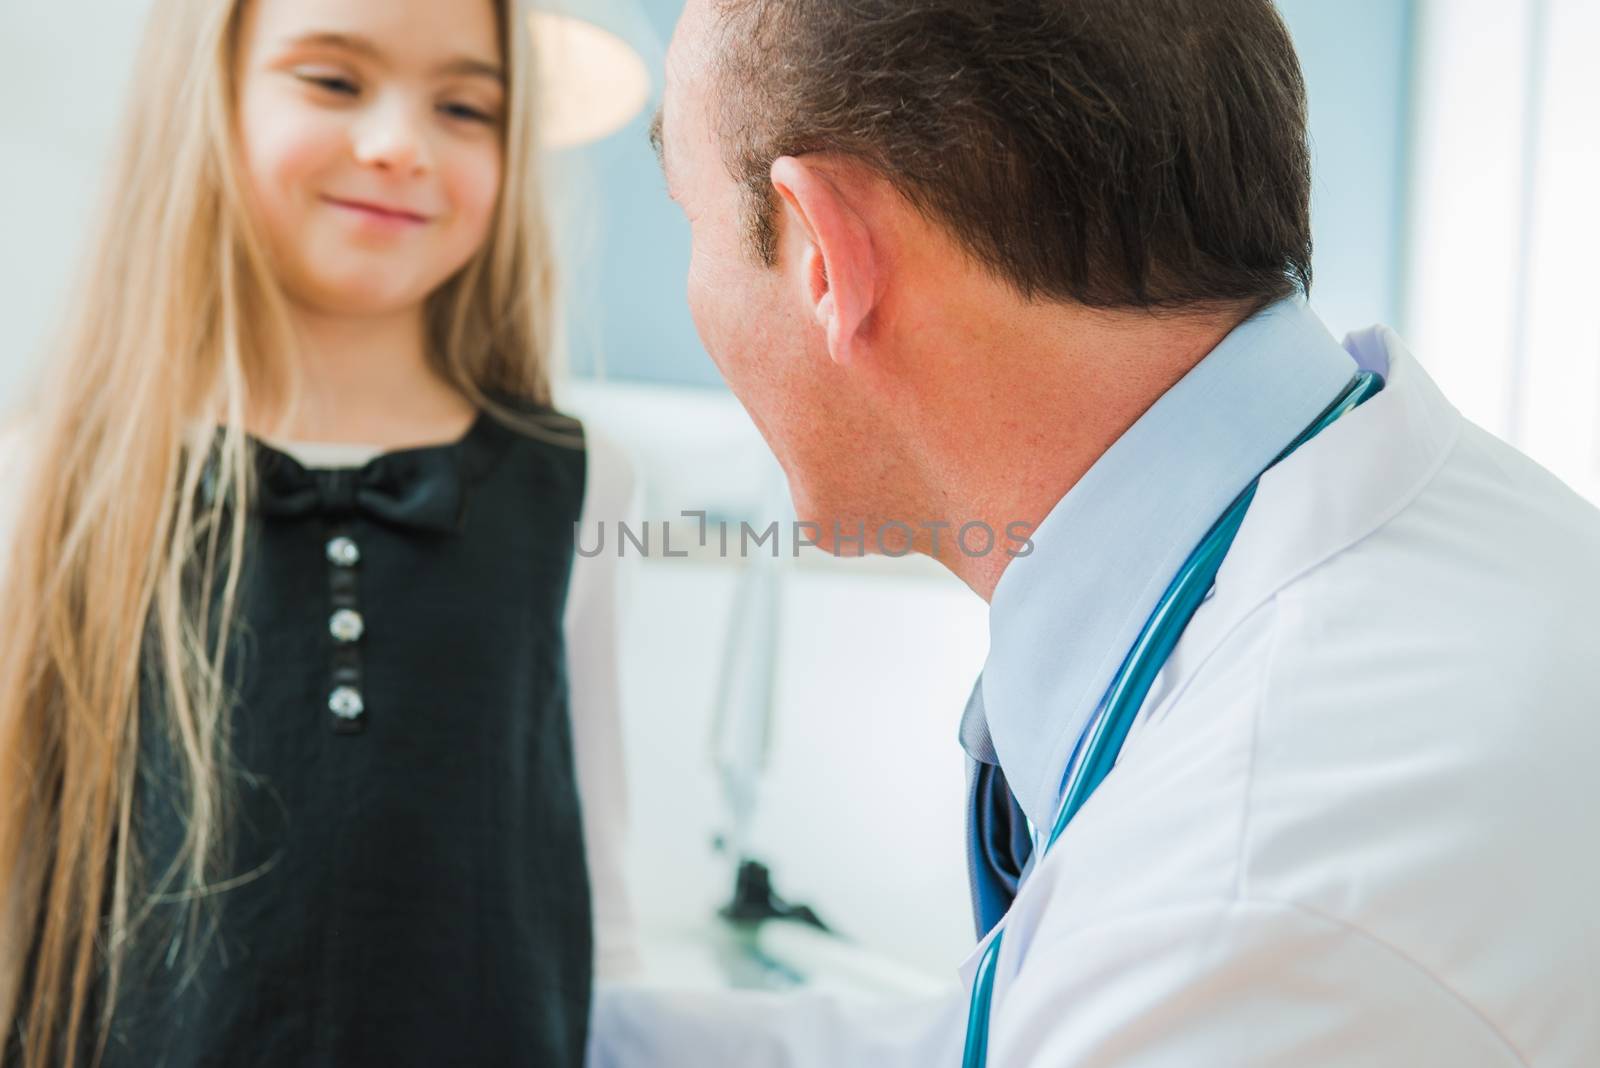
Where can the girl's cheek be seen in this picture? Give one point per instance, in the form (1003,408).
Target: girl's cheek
(475,189)
(284,148)
(302,149)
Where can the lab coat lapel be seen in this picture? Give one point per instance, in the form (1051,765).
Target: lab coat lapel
(1328,495)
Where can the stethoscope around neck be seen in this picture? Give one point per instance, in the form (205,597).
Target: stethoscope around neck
(1132,682)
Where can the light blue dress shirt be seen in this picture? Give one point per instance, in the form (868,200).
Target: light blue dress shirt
(1063,617)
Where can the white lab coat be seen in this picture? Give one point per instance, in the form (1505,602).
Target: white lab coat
(1355,823)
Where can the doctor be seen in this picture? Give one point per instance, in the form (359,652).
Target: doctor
(1043,261)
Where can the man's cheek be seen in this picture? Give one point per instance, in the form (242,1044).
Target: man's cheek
(702,311)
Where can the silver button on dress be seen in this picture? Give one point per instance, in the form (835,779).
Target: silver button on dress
(345,702)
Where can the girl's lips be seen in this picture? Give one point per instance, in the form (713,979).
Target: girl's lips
(377,211)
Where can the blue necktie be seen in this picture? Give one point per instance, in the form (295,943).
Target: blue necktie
(999,846)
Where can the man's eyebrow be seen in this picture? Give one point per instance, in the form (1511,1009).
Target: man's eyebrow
(655,139)
(658,143)
(466,65)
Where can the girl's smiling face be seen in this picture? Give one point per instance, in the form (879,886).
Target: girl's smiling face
(370,139)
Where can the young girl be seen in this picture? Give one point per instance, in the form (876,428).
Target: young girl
(287,775)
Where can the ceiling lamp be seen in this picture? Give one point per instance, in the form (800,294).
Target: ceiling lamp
(595,67)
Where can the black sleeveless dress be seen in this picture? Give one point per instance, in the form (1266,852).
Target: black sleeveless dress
(410,862)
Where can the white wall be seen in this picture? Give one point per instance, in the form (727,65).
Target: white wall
(63,66)
(1502,274)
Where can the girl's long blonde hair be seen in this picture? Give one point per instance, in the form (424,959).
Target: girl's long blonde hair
(177,325)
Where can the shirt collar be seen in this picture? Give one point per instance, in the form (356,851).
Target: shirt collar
(1063,617)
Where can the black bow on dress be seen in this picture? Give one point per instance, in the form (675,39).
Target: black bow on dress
(418,488)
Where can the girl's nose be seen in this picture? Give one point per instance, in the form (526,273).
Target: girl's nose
(392,138)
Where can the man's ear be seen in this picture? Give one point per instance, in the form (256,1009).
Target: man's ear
(833,252)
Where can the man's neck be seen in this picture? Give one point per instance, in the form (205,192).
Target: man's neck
(1063,384)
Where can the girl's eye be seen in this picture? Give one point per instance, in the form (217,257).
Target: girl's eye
(468,113)
(332,82)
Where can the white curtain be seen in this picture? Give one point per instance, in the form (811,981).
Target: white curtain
(1502,298)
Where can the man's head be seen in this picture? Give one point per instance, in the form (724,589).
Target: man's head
(865,178)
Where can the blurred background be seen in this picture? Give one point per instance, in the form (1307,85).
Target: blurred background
(1456,145)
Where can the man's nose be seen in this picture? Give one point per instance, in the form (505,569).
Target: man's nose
(392,136)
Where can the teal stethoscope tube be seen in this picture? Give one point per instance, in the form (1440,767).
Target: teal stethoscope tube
(1137,674)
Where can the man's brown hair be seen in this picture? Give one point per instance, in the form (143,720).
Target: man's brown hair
(1115,153)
